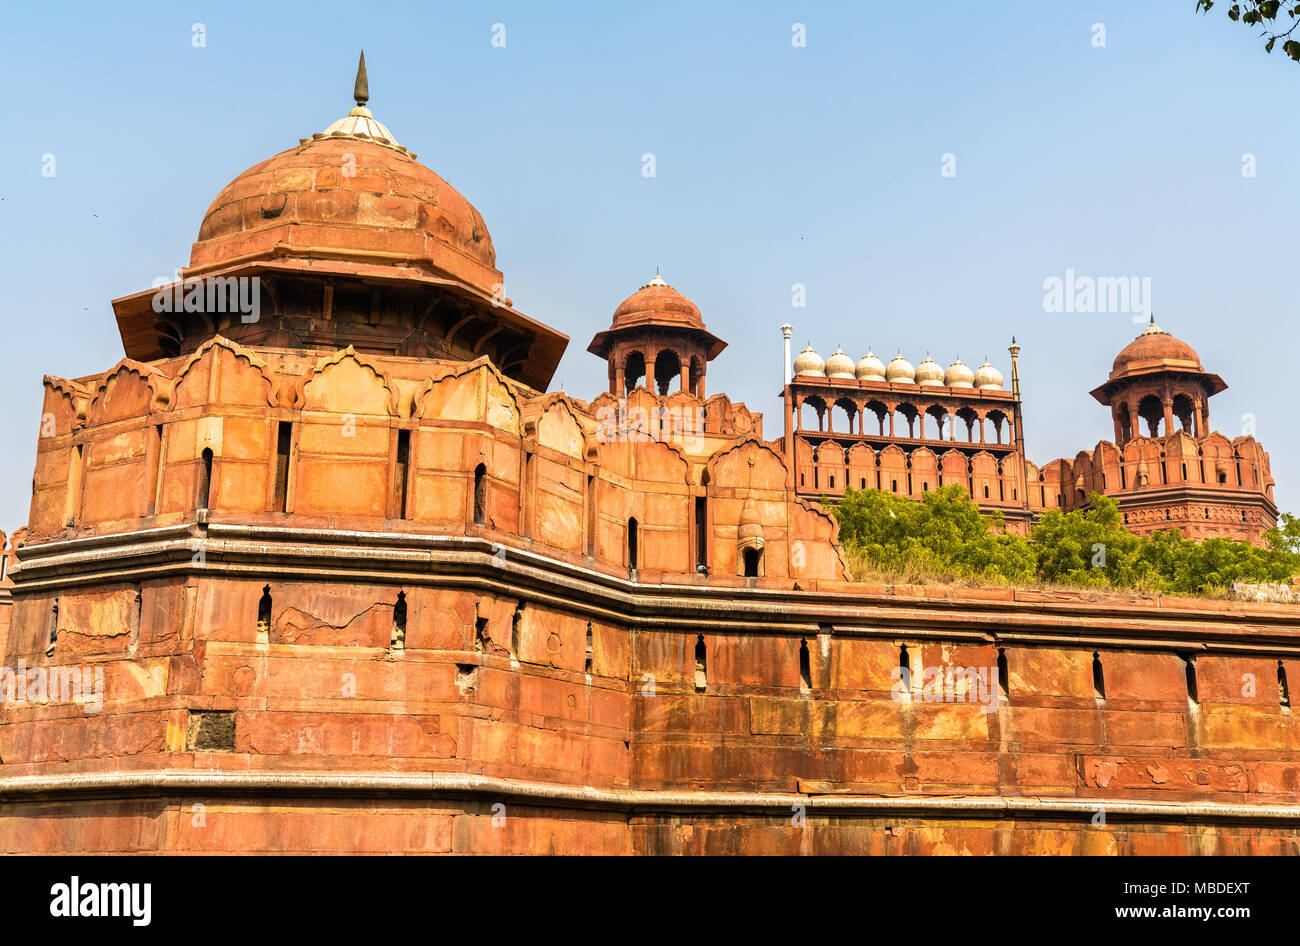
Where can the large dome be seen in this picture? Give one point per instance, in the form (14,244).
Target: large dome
(348,197)
(349,240)
(1155,348)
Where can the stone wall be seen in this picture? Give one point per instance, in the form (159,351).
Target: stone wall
(610,715)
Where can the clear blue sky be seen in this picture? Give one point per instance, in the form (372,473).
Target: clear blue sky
(775,165)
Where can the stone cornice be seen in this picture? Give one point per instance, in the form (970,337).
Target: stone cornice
(371,785)
(1077,619)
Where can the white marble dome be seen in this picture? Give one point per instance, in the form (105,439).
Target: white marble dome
(959,375)
(929,373)
(870,368)
(986,376)
(809,364)
(839,365)
(900,371)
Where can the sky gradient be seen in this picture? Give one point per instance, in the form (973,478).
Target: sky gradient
(774,165)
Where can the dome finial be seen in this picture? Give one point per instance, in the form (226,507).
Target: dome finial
(1152,328)
(359,123)
(361,90)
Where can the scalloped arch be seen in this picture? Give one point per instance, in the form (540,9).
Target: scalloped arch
(217,344)
(114,400)
(492,400)
(362,387)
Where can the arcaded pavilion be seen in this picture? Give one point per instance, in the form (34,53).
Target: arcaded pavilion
(334,571)
(872,425)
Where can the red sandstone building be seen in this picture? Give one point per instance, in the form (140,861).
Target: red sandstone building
(339,574)
(909,430)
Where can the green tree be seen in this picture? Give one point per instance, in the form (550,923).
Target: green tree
(1270,16)
(945,535)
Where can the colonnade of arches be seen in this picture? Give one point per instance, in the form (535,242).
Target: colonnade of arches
(662,369)
(905,420)
(1159,413)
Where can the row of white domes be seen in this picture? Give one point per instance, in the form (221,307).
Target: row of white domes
(899,370)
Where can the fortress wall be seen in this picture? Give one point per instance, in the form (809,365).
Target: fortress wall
(492,703)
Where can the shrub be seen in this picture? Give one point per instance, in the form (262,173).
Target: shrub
(945,535)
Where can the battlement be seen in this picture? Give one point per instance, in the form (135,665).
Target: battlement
(1203,486)
(381,443)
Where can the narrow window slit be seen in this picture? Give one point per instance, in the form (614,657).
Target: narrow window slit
(54,628)
(805,668)
(1189,670)
(480,495)
(401,473)
(74,487)
(155,472)
(526,495)
(205,479)
(283,444)
(264,615)
(591,514)
(516,632)
(701,534)
(1098,678)
(701,665)
(399,622)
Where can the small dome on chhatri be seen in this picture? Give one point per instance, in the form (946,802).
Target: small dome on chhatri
(658,303)
(870,368)
(959,375)
(839,365)
(1156,348)
(928,372)
(900,371)
(809,364)
(986,376)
